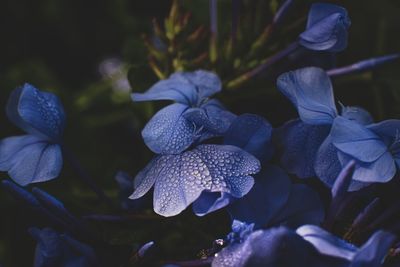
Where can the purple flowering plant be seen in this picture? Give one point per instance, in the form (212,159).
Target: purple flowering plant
(310,192)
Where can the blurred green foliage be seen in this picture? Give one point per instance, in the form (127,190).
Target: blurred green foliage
(57,45)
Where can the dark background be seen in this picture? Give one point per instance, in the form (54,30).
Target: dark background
(57,45)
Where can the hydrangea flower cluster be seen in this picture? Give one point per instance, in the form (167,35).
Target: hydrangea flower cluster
(211,159)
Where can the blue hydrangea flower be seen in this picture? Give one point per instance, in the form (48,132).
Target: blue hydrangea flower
(251,133)
(308,246)
(191,118)
(54,249)
(35,157)
(326,28)
(273,199)
(371,254)
(270,248)
(310,90)
(180,179)
(374,148)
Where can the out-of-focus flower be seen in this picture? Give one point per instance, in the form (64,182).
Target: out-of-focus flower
(326,28)
(35,157)
(55,249)
(117,72)
(192,118)
(180,179)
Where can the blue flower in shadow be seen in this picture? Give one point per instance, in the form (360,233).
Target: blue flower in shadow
(35,157)
(326,29)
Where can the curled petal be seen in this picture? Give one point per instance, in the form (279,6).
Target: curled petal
(326,243)
(356,140)
(211,201)
(38,113)
(211,116)
(326,29)
(310,90)
(381,171)
(389,132)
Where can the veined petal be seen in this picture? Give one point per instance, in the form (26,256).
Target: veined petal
(11,146)
(326,29)
(29,159)
(207,83)
(251,133)
(356,140)
(38,162)
(322,31)
(38,113)
(187,88)
(387,128)
(310,90)
(374,251)
(380,171)
(169,132)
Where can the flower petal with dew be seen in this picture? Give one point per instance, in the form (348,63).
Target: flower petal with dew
(180,179)
(193,118)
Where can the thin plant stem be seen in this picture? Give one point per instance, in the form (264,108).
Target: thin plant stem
(267,63)
(84,176)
